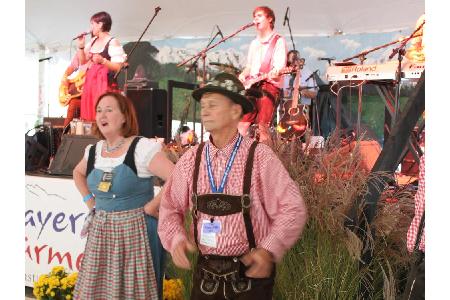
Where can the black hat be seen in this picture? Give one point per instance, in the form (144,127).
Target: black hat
(228,85)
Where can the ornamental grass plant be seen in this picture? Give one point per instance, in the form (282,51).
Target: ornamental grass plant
(326,262)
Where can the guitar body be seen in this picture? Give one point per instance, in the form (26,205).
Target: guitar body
(72,90)
(293,122)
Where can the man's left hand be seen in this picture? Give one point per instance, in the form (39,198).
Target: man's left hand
(260,263)
(152,209)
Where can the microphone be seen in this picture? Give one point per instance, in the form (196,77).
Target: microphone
(247,26)
(81,34)
(219,31)
(286,16)
(46,58)
(157,9)
(326,58)
(312,74)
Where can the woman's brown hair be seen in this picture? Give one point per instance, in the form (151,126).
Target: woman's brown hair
(130,127)
(103,17)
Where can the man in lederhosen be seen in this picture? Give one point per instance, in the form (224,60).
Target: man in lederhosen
(246,210)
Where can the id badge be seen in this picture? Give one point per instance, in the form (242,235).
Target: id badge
(105,184)
(208,236)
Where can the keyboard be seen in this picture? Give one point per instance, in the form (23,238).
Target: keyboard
(387,71)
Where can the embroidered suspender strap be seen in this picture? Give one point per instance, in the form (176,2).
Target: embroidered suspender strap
(198,158)
(129,158)
(246,201)
(91,160)
(267,62)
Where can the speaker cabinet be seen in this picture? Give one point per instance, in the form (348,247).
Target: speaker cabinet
(152,112)
(70,153)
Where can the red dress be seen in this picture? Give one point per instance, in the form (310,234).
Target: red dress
(95,83)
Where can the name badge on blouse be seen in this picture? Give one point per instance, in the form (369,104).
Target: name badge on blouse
(105,184)
(209,233)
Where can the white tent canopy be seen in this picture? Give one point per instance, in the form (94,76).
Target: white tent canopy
(53,23)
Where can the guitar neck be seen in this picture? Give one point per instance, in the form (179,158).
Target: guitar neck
(266,76)
(296,90)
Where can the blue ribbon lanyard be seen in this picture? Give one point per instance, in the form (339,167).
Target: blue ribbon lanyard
(227,169)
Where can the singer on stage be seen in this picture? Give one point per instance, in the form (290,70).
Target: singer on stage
(104,56)
(267,54)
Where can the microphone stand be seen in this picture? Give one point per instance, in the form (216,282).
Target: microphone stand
(400,50)
(290,31)
(194,66)
(202,54)
(364,53)
(125,63)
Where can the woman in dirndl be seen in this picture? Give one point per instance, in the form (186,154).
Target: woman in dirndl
(104,57)
(123,258)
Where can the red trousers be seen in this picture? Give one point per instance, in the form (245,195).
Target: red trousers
(265,105)
(73,110)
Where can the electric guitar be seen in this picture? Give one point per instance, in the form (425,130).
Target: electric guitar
(251,80)
(73,89)
(293,122)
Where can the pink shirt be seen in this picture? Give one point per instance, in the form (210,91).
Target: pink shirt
(278,212)
(418,211)
(257,53)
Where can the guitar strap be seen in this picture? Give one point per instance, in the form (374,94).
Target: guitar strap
(267,62)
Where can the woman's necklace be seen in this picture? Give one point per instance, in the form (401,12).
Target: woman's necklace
(114,148)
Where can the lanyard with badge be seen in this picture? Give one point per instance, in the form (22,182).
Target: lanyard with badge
(210,228)
(106,182)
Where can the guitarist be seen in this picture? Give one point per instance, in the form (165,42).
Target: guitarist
(267,54)
(67,88)
(306,94)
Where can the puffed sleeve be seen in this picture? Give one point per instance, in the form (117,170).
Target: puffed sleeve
(115,50)
(144,153)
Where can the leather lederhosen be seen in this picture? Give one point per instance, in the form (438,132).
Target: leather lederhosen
(223,277)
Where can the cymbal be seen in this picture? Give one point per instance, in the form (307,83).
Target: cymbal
(225,66)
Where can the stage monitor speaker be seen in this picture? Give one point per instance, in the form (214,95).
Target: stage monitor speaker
(36,155)
(70,153)
(152,112)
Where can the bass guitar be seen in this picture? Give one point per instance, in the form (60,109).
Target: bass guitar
(293,122)
(73,89)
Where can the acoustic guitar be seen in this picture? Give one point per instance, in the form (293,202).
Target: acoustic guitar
(73,89)
(293,122)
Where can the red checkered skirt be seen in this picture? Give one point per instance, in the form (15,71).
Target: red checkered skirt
(117,262)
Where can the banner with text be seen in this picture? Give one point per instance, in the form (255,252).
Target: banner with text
(54,217)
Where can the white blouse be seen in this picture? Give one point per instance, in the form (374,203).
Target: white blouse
(116,53)
(145,151)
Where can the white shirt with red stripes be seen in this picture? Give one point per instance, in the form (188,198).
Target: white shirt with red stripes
(419,210)
(278,212)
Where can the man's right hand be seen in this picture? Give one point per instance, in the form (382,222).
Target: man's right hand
(179,256)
